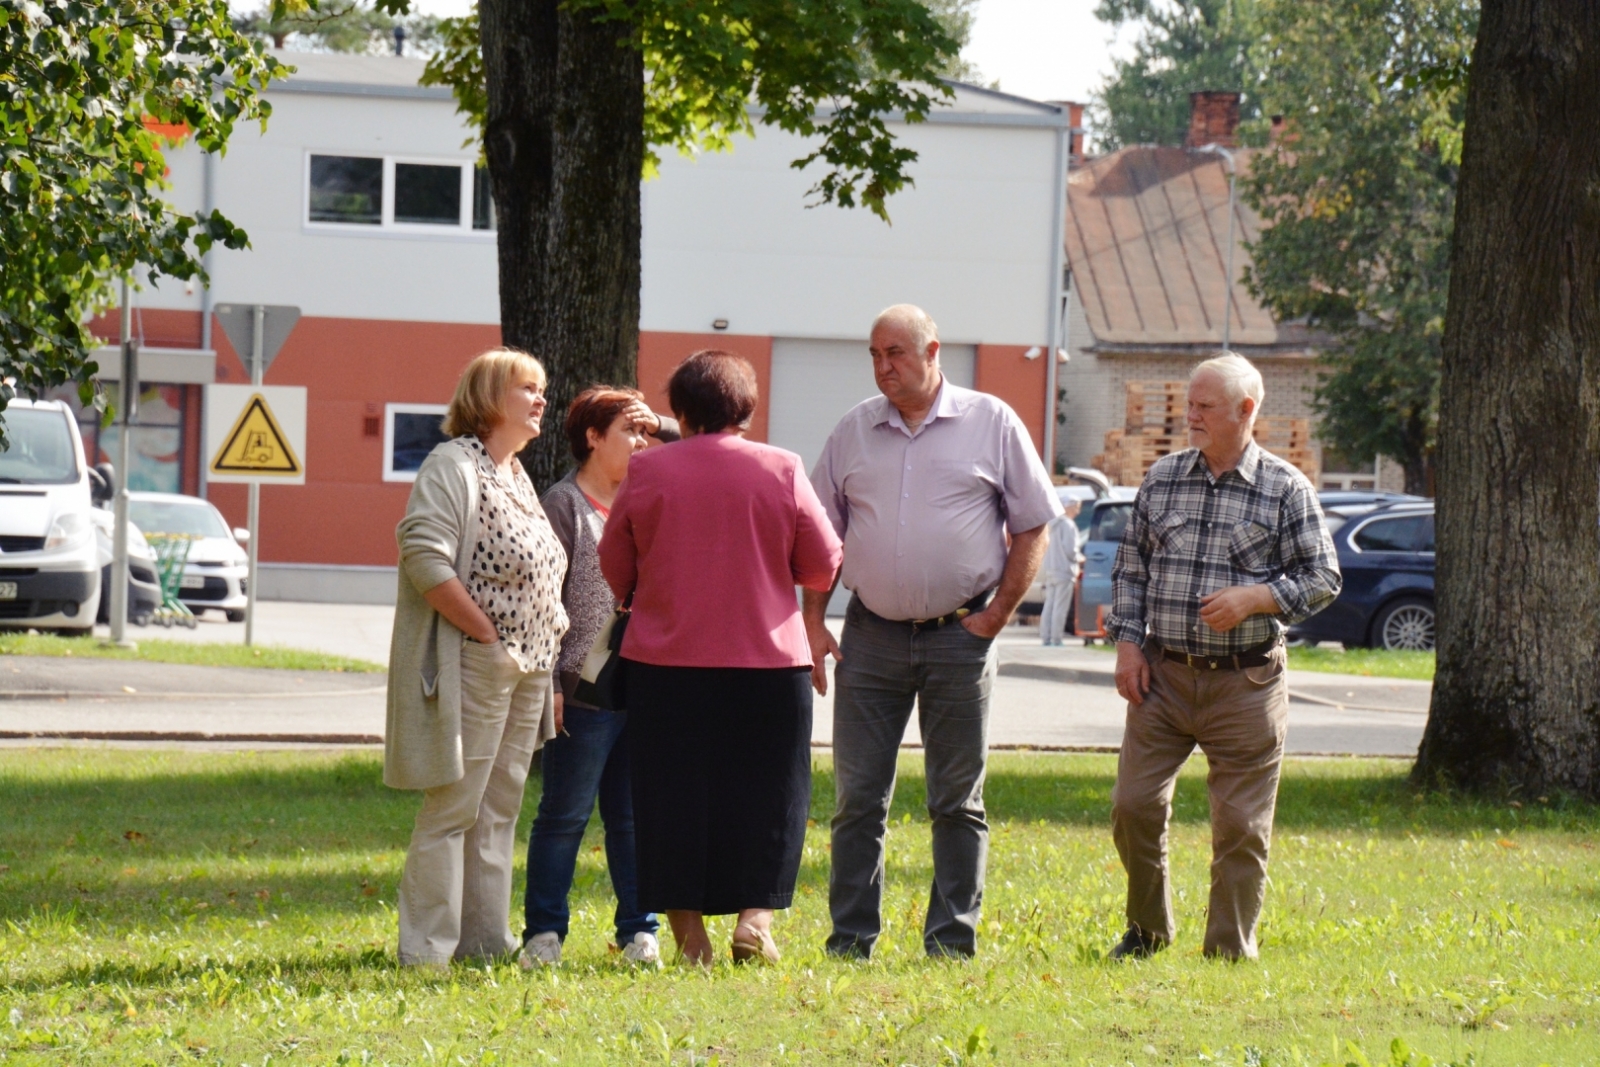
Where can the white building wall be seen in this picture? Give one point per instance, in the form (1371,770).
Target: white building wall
(726,235)
(352,271)
(730,236)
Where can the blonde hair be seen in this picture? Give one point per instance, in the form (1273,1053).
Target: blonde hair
(918,323)
(481,393)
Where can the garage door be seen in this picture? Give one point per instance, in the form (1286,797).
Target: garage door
(815,382)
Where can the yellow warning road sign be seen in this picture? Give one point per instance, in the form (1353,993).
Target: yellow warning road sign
(256,445)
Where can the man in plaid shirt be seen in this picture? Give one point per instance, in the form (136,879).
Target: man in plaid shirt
(1225,548)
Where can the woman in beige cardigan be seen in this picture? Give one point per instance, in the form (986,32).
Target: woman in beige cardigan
(478,621)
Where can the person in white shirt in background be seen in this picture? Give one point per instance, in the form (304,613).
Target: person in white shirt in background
(1060,573)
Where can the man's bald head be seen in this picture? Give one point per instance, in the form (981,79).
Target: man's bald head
(919,328)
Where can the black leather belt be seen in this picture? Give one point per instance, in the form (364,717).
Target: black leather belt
(1259,656)
(977,603)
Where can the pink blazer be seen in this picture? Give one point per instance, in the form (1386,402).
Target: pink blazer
(711,535)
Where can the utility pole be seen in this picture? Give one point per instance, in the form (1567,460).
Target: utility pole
(1227,282)
(127,403)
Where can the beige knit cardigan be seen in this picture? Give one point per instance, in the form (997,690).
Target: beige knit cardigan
(422,741)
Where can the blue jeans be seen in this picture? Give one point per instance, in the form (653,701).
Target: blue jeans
(589,760)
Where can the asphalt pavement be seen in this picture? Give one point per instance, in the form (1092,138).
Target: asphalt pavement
(1045,698)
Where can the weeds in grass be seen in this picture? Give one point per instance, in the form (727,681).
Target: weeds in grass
(236,927)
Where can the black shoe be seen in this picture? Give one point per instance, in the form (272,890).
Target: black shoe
(1136,945)
(852,951)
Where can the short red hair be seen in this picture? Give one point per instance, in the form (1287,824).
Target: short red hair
(596,408)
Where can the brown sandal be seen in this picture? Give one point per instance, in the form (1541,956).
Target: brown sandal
(752,945)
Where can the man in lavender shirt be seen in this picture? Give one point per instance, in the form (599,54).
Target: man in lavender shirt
(924,484)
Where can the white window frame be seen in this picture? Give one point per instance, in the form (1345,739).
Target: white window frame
(387,226)
(389,412)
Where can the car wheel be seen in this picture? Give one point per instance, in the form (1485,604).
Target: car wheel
(1406,624)
(235,616)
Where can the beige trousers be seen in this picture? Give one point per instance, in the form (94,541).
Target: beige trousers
(1239,719)
(455,894)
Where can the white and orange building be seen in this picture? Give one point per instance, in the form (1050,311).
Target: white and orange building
(364,209)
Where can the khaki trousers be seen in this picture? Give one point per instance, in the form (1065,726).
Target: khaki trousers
(455,894)
(1239,719)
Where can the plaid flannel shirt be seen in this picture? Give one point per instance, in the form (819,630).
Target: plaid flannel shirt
(1191,534)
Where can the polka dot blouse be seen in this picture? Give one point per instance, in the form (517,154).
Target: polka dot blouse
(517,565)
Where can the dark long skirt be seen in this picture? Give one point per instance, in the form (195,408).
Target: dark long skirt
(721,784)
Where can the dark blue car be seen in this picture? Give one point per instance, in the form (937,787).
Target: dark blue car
(1386,556)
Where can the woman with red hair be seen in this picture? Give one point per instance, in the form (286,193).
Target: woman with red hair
(588,759)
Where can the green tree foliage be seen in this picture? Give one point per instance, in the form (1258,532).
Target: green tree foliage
(833,70)
(1185,46)
(957,17)
(339,26)
(81,171)
(1358,203)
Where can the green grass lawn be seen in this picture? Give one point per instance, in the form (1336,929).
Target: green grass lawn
(236,908)
(1377,662)
(17,643)
(1374,662)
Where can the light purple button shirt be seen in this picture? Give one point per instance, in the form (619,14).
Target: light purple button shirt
(924,515)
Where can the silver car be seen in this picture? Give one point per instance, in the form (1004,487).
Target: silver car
(214,575)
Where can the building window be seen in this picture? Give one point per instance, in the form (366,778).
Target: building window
(427,195)
(404,195)
(482,200)
(346,189)
(410,432)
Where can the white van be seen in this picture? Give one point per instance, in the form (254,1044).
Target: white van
(49,556)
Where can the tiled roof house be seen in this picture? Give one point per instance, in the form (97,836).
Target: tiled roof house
(1146,240)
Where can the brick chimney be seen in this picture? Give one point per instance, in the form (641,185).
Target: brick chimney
(1075,138)
(1213,119)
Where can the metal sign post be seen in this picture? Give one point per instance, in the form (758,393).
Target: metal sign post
(129,398)
(260,330)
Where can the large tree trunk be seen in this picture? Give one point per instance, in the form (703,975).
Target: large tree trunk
(565,141)
(1516,703)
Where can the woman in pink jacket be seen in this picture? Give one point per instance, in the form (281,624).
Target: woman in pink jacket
(711,535)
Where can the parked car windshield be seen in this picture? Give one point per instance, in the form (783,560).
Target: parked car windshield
(168,517)
(1110,520)
(1408,533)
(39,449)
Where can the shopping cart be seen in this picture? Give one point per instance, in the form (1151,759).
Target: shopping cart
(172,554)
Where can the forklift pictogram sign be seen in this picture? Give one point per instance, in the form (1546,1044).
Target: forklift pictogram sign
(256,445)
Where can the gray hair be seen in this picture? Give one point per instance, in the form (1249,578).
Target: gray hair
(1239,376)
(913,320)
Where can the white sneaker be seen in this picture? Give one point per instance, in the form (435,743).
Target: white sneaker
(643,949)
(541,950)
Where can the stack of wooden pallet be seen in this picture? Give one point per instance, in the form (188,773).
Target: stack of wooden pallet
(1289,439)
(1155,425)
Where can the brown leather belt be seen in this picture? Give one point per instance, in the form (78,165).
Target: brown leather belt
(1259,656)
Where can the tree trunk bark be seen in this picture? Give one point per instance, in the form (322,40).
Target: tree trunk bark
(1516,701)
(565,140)
(1416,471)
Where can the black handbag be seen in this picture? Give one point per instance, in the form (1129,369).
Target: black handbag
(600,682)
